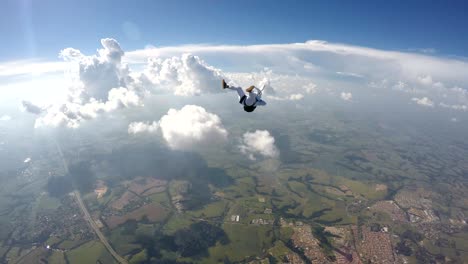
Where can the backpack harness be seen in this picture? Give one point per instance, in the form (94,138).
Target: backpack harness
(243,98)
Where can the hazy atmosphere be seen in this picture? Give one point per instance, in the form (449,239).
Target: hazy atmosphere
(118,143)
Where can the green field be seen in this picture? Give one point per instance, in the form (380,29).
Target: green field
(122,243)
(57,257)
(176,222)
(90,252)
(138,258)
(69,244)
(211,210)
(45,202)
(260,238)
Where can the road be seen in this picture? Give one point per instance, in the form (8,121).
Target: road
(88,217)
(98,232)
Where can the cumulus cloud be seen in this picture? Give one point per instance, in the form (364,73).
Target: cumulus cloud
(187,75)
(257,143)
(187,128)
(143,127)
(71,114)
(58,115)
(190,126)
(96,75)
(423,101)
(346,96)
(31,108)
(97,84)
(103,82)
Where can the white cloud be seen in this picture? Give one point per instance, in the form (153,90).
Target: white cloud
(294,70)
(364,61)
(324,56)
(350,74)
(96,75)
(187,128)
(143,127)
(121,98)
(454,119)
(286,87)
(30,67)
(425,80)
(425,74)
(5,118)
(257,143)
(346,96)
(187,75)
(455,106)
(310,88)
(439,85)
(71,114)
(423,101)
(97,84)
(295,97)
(291,97)
(425,50)
(103,83)
(400,86)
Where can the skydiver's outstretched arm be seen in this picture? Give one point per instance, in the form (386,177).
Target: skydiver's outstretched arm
(260,102)
(260,91)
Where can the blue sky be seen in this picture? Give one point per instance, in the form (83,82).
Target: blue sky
(40,29)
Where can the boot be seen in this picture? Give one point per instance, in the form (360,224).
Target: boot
(224,84)
(250,89)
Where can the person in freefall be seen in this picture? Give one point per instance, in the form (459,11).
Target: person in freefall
(251,100)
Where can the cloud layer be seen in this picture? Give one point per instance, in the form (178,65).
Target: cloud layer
(108,81)
(327,63)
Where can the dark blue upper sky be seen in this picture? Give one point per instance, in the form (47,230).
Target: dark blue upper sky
(40,29)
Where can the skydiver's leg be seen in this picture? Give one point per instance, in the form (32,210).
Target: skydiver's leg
(239,90)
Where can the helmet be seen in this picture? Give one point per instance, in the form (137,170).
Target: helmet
(249,108)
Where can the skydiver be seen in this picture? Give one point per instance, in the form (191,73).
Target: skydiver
(249,101)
